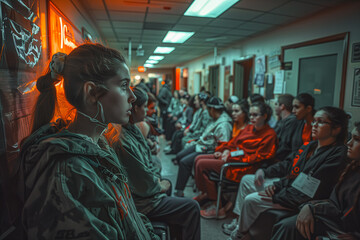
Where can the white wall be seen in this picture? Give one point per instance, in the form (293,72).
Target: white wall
(345,18)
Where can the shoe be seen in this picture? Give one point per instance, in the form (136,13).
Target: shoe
(175,161)
(236,234)
(210,213)
(228,228)
(167,149)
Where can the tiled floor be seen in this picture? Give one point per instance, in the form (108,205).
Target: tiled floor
(210,229)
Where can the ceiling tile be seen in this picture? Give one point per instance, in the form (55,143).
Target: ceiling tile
(194,20)
(260,5)
(127,16)
(127,6)
(297,9)
(240,14)
(225,23)
(124,24)
(189,28)
(166,18)
(99,14)
(156,33)
(98,5)
(241,32)
(103,23)
(255,26)
(273,19)
(217,30)
(168,8)
(328,3)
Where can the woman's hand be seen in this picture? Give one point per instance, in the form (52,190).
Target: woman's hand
(270,190)
(165,185)
(217,154)
(259,177)
(225,155)
(305,222)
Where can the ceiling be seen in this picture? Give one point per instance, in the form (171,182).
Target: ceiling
(146,22)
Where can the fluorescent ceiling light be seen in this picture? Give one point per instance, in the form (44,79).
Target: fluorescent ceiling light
(164,50)
(154,57)
(177,37)
(148,65)
(152,61)
(209,8)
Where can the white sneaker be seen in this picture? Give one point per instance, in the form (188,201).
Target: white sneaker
(228,228)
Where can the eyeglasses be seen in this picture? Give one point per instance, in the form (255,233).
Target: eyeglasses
(319,123)
(254,115)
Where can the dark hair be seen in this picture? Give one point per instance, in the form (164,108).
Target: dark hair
(287,100)
(306,99)
(352,166)
(264,109)
(256,98)
(151,99)
(191,102)
(338,118)
(88,62)
(244,105)
(177,92)
(141,96)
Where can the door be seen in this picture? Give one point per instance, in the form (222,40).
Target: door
(317,67)
(214,75)
(243,75)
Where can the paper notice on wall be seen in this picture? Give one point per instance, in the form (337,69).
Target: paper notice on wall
(279,82)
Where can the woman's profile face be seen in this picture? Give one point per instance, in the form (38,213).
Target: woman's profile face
(299,109)
(353,145)
(117,101)
(139,112)
(151,109)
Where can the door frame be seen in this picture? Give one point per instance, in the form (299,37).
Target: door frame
(341,36)
(246,70)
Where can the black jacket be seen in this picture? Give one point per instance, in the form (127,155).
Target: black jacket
(164,97)
(290,137)
(342,209)
(326,164)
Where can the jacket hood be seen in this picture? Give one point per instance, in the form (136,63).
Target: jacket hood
(54,142)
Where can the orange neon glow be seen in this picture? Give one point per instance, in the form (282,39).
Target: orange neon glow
(141,69)
(177,78)
(63,35)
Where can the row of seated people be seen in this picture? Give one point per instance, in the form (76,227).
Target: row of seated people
(292,132)
(77,182)
(320,158)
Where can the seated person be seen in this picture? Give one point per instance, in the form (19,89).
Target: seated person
(182,123)
(199,123)
(74,185)
(146,185)
(218,131)
(283,111)
(339,215)
(272,188)
(257,141)
(150,126)
(229,102)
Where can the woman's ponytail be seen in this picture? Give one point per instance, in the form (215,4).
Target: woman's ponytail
(45,103)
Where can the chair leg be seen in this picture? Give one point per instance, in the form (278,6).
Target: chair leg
(218,199)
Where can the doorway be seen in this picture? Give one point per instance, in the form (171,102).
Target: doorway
(214,75)
(243,75)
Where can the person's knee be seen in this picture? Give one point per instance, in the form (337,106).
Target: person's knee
(246,182)
(252,199)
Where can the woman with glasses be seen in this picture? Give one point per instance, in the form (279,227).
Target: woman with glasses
(338,216)
(254,143)
(302,177)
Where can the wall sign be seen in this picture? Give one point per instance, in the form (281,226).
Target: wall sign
(356,89)
(64,36)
